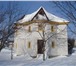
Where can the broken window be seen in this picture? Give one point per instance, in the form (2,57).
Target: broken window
(53,44)
(52,28)
(29,29)
(29,44)
(40,27)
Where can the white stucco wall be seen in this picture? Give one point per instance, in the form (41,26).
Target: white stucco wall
(62,31)
(59,36)
(19,45)
(33,39)
(62,41)
(62,46)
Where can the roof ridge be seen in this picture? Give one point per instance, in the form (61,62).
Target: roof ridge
(49,15)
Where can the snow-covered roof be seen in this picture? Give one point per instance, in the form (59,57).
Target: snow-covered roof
(50,16)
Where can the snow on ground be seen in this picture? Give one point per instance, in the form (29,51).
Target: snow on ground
(5,60)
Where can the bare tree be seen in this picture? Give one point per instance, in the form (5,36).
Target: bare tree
(45,36)
(43,32)
(71,42)
(10,15)
(68,10)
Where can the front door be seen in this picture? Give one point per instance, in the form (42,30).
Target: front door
(40,45)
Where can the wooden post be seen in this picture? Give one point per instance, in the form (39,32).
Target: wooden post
(44,53)
(11,50)
(43,46)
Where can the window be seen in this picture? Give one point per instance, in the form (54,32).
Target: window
(16,33)
(29,29)
(29,44)
(40,27)
(16,45)
(53,44)
(52,28)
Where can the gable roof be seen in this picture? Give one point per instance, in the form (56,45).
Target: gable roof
(48,16)
(40,11)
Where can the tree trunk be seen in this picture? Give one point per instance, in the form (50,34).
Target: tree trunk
(44,53)
(43,46)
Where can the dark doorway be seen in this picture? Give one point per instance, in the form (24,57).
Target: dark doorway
(40,45)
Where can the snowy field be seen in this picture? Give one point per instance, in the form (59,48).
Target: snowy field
(5,60)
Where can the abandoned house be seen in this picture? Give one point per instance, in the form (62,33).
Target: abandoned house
(38,30)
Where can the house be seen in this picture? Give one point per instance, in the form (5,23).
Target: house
(41,25)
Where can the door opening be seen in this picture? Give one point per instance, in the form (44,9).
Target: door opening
(40,45)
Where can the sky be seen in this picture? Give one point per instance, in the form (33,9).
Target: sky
(28,7)
(32,6)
